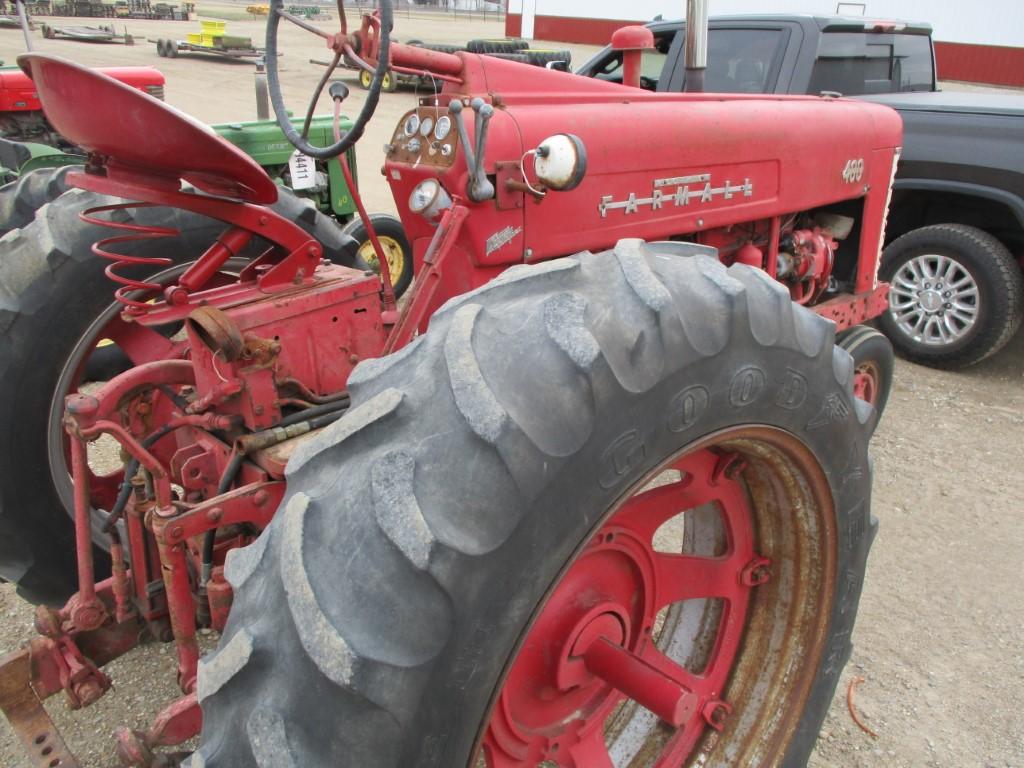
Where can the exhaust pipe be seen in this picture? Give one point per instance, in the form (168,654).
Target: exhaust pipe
(696,45)
(262,94)
(23,18)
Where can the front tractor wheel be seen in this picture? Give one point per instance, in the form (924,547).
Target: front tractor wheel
(397,250)
(874,365)
(608,510)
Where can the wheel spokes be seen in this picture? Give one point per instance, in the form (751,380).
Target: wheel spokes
(138,342)
(584,657)
(647,511)
(589,752)
(686,577)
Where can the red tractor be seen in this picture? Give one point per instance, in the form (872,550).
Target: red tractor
(598,494)
(21,115)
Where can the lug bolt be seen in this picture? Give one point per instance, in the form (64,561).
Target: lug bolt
(715,713)
(949,306)
(927,286)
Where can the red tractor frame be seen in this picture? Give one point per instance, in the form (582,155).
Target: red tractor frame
(258,370)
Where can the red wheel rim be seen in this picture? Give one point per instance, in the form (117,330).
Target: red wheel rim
(592,649)
(865,382)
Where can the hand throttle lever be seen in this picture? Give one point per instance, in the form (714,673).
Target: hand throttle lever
(479,187)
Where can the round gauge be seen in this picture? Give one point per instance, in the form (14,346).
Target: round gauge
(412,124)
(426,127)
(443,128)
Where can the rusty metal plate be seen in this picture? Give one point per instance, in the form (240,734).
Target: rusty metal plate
(27,716)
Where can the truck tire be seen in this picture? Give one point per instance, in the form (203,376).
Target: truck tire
(392,238)
(482,480)
(52,292)
(957,295)
(874,364)
(20,199)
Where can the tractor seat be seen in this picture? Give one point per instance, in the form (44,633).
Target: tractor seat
(138,135)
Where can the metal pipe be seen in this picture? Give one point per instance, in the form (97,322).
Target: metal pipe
(262,97)
(23,17)
(696,55)
(83,513)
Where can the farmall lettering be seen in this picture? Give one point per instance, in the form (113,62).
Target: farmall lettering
(678,191)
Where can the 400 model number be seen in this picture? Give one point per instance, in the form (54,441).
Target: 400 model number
(853,171)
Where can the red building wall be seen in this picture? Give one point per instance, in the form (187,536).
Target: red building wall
(992,64)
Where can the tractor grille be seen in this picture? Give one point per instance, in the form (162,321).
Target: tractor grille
(156,91)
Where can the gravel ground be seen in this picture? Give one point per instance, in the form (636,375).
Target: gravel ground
(938,641)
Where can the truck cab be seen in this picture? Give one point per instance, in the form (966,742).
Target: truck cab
(788,54)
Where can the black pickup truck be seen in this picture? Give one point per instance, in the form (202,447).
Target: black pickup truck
(955,237)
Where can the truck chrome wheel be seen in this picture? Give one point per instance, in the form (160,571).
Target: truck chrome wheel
(934,300)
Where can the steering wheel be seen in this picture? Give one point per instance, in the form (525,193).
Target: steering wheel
(340,45)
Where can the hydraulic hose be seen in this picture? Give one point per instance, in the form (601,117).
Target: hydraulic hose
(311,418)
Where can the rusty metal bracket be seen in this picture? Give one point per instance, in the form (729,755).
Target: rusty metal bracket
(27,716)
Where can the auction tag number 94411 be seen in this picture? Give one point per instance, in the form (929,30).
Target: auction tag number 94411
(303,171)
(853,171)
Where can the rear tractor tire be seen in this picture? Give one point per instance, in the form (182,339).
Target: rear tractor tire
(673,440)
(20,199)
(56,306)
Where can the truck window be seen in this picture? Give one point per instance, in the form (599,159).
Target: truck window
(855,63)
(651,67)
(742,60)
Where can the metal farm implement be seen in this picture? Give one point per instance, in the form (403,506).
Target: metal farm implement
(213,40)
(597,494)
(100,34)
